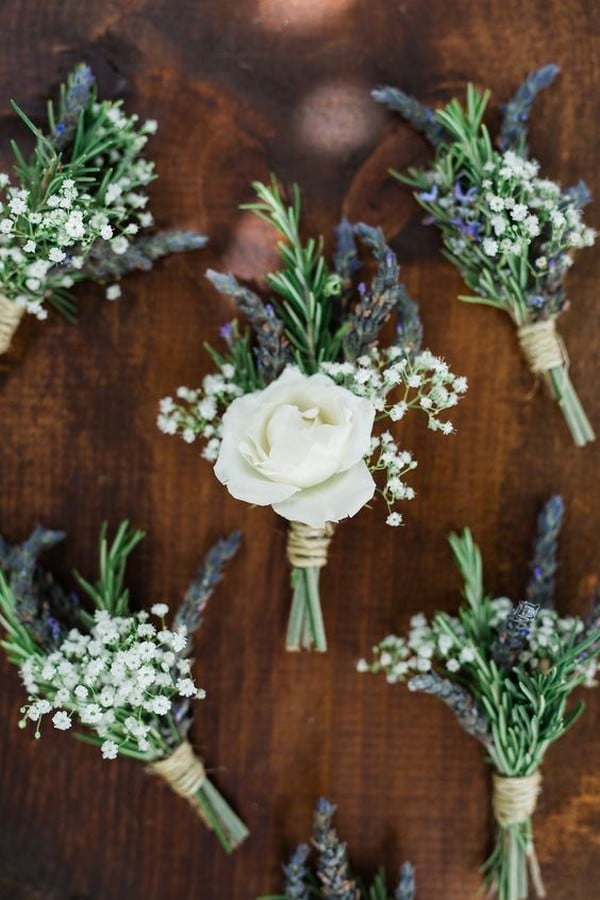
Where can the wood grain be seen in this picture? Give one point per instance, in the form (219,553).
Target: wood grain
(240,88)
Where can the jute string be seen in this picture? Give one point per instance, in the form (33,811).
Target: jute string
(184,773)
(10,316)
(542,346)
(514,801)
(307,547)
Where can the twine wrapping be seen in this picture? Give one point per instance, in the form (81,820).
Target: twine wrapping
(184,773)
(514,801)
(307,547)
(10,316)
(542,346)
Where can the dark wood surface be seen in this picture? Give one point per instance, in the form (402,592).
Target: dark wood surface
(240,88)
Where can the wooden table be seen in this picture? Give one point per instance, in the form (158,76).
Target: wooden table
(241,88)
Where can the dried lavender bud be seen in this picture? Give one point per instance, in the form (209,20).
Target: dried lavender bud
(407,887)
(191,612)
(273,352)
(580,194)
(420,117)
(81,86)
(516,112)
(345,258)
(374,307)
(540,589)
(296,874)
(103,263)
(460,701)
(333,868)
(513,637)
(38,599)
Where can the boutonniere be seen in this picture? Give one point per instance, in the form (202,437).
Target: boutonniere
(123,676)
(77,209)
(506,670)
(296,414)
(510,232)
(331,877)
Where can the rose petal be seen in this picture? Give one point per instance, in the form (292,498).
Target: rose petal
(335,499)
(244,482)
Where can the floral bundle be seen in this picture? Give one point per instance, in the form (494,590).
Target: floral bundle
(288,418)
(506,671)
(127,681)
(77,209)
(510,232)
(333,878)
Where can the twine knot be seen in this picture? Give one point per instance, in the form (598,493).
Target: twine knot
(307,547)
(514,799)
(542,346)
(10,316)
(183,771)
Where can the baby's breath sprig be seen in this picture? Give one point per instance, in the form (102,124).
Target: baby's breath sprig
(506,671)
(126,680)
(77,210)
(332,878)
(511,233)
(313,357)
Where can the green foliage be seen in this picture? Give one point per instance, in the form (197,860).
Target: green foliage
(108,592)
(304,286)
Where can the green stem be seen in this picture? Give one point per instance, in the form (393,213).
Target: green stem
(512,863)
(566,397)
(306,629)
(219,816)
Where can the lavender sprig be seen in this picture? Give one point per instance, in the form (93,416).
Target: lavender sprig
(296,873)
(373,308)
(345,257)
(540,589)
(273,351)
(460,701)
(332,878)
(103,263)
(190,614)
(38,598)
(513,635)
(515,113)
(74,99)
(407,887)
(333,867)
(420,117)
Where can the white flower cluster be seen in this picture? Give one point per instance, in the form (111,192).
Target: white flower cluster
(442,645)
(424,382)
(386,456)
(117,680)
(45,234)
(200,411)
(519,206)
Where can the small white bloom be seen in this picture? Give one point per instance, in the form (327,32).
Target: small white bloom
(110,750)
(519,212)
(106,233)
(119,245)
(362,666)
(159,609)
(113,292)
(453,665)
(61,720)
(186,687)
(467,654)
(490,246)
(394,519)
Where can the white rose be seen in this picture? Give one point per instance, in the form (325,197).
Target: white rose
(298,446)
